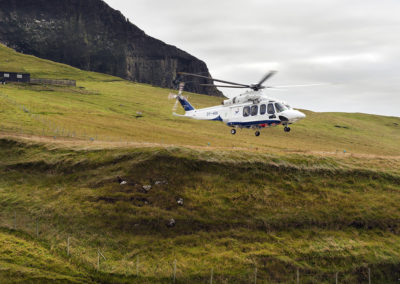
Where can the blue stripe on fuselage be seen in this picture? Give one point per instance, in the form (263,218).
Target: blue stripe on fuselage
(250,123)
(218,118)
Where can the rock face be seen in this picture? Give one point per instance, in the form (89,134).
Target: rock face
(90,35)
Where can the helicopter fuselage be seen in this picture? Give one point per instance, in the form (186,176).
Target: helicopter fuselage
(250,110)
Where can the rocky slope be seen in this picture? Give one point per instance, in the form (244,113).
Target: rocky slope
(92,36)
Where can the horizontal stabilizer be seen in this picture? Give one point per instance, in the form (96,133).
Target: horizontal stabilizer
(175,114)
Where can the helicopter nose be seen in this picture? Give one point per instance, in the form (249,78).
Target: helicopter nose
(295,115)
(301,115)
(298,115)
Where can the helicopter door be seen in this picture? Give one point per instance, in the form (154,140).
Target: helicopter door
(271,111)
(246,111)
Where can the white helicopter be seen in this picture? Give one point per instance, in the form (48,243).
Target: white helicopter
(252,109)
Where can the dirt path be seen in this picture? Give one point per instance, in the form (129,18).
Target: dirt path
(85,144)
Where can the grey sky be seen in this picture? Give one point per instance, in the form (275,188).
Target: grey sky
(354,44)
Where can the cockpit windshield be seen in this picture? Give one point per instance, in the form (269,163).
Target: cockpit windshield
(280,107)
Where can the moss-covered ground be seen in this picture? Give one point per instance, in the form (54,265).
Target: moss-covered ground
(321,200)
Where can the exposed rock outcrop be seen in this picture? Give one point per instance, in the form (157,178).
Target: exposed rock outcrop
(92,36)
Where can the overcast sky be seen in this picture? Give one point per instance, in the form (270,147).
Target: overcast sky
(352,45)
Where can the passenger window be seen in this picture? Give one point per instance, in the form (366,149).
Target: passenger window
(246,111)
(254,110)
(263,109)
(271,109)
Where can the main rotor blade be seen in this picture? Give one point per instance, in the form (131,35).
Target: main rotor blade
(266,77)
(295,86)
(223,86)
(212,79)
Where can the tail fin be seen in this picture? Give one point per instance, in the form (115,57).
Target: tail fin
(185,104)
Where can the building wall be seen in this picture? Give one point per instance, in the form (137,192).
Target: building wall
(14,77)
(26,78)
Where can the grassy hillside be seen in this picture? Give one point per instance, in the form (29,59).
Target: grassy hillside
(279,214)
(23,259)
(263,207)
(105,108)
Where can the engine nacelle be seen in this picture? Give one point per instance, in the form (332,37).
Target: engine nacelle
(243,99)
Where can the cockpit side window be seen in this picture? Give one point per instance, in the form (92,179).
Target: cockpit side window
(263,109)
(271,109)
(254,110)
(280,107)
(246,111)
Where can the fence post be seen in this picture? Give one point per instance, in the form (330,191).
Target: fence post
(298,276)
(98,258)
(37,228)
(336,277)
(369,275)
(174,270)
(68,246)
(212,275)
(137,266)
(255,275)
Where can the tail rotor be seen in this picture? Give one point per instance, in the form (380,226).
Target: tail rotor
(172,96)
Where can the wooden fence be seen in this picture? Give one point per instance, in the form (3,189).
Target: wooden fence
(53,82)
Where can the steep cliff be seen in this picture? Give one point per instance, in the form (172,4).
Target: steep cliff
(92,36)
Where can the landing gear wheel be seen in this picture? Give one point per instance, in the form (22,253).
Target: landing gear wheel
(257,133)
(233,131)
(287,129)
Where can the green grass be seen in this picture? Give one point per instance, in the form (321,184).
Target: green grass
(105,108)
(23,259)
(280,213)
(279,202)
